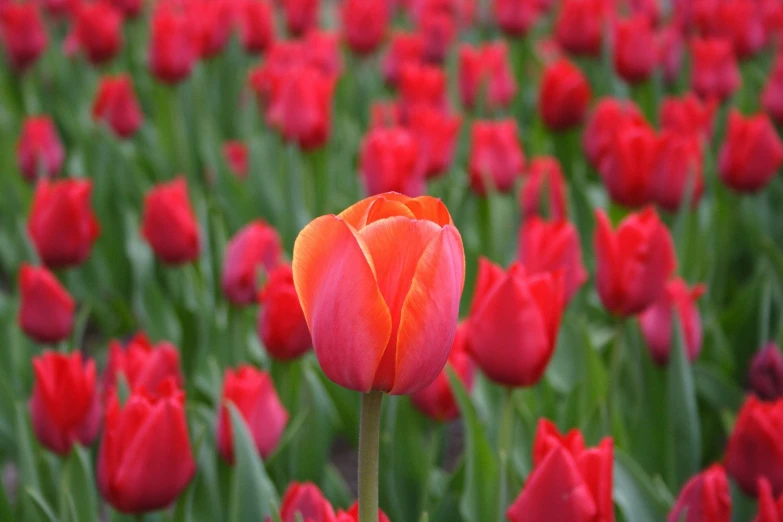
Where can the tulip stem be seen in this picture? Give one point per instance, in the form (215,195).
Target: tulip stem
(369,439)
(506,436)
(614,375)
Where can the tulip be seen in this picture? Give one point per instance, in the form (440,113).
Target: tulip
(142,365)
(704,497)
(544,191)
(579,27)
(754,450)
(117,106)
(742,24)
(281,322)
(751,154)
(439,31)
(515,17)
(253,394)
(352,515)
(656,321)
(98,31)
(386,113)
(769,509)
(568,481)
(421,86)
(61,224)
(436,134)
(256,25)
(235,154)
(168,223)
(300,15)
(437,400)
(65,409)
(46,309)
(604,122)
(255,246)
(626,168)
(670,47)
(210,22)
(564,96)
(772,96)
(22,34)
(375,264)
(485,72)
(145,460)
(404,49)
(306,500)
(715,72)
(766,373)
(496,157)
(364,25)
(389,162)
(634,262)
(687,115)
(677,169)
(172,48)
(128,8)
(39,151)
(635,54)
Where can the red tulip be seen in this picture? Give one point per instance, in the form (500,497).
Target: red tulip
(551,246)
(634,262)
(380,286)
(128,8)
(300,15)
(422,86)
(255,246)
(514,320)
(772,96)
(281,322)
(211,21)
(608,116)
(306,500)
(65,408)
(173,48)
(404,49)
(485,75)
(22,33)
(437,400)
(687,115)
(754,450)
(145,460)
(59,8)
(769,509)
(626,168)
(236,156)
(564,95)
(544,191)
(352,515)
(439,31)
(766,373)
(515,17)
(715,72)
(117,106)
(168,223)
(705,497)
(386,113)
(364,24)
(677,169)
(568,482)
(752,153)
(656,321)
(39,151)
(436,134)
(98,31)
(635,54)
(46,309)
(256,25)
(62,225)
(142,365)
(579,27)
(496,157)
(389,162)
(741,22)
(670,46)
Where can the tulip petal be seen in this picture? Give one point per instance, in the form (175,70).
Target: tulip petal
(429,314)
(348,318)
(606,252)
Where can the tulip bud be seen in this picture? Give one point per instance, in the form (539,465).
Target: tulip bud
(421,86)
(255,246)
(626,168)
(281,322)
(256,25)
(168,223)
(766,373)
(172,48)
(544,191)
(389,162)
(364,24)
(46,309)
(715,72)
(635,54)
(485,74)
(98,31)
(142,365)
(211,22)
(704,497)
(496,157)
(751,154)
(22,34)
(39,151)
(579,27)
(116,105)
(564,96)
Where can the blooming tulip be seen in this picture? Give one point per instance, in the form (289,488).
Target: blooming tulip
(22,34)
(46,309)
(741,22)
(254,247)
(142,365)
(168,223)
(117,106)
(544,191)
(705,497)
(485,72)
(281,322)
(564,95)
(39,151)
(496,157)
(751,154)
(438,29)
(670,47)
(766,373)
(390,162)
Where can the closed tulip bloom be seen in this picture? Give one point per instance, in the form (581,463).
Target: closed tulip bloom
(145,460)
(551,246)
(704,497)
(256,25)
(128,8)
(544,191)
(485,74)
(98,31)
(634,262)
(437,400)
(564,95)
(65,407)
(677,169)
(404,49)
(300,15)
(766,373)
(772,96)
(306,500)
(142,365)
(635,54)
(678,302)
(751,154)
(235,154)
(62,224)
(754,450)
(515,17)
(439,29)
(211,22)
(364,24)
(168,223)
(22,34)
(46,309)
(39,151)
(626,168)
(715,72)
(389,162)
(769,509)
(741,22)
(352,515)
(253,394)
(422,86)
(254,247)
(579,27)
(569,481)
(116,105)
(604,122)
(172,48)
(687,115)
(281,322)
(496,157)
(670,46)
(436,133)
(380,286)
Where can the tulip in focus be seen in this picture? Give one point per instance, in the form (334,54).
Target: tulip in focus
(22,34)
(563,96)
(364,24)
(704,497)
(766,373)
(168,223)
(389,162)
(254,247)
(39,151)
(485,75)
(544,191)
(65,407)
(751,154)
(142,365)
(116,105)
(714,71)
(281,322)
(46,308)
(496,157)
(635,54)
(306,500)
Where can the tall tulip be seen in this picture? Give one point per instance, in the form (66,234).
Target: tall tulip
(254,247)
(46,309)
(281,322)
(142,365)
(705,497)
(169,224)
(752,153)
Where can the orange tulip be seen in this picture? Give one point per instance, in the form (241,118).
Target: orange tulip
(380,286)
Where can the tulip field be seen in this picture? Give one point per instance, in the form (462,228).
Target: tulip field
(391,260)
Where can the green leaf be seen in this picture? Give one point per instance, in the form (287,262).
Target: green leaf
(43,508)
(635,493)
(79,486)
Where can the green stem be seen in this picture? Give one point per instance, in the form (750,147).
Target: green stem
(504,449)
(614,375)
(369,439)
(485,218)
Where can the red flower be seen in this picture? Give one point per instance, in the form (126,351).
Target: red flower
(98,31)
(117,106)
(300,15)
(485,75)
(544,191)
(422,86)
(670,47)
(608,116)
(39,151)
(352,515)
(46,309)
(211,22)
(172,48)
(677,168)
(579,27)
(635,53)
(253,393)
(364,24)
(436,134)
(404,49)
(64,408)
(752,153)
(715,72)
(515,17)
(236,156)
(281,322)
(769,510)
(496,157)
(22,33)
(705,497)
(128,8)
(256,25)
(439,31)
(634,262)
(687,115)
(255,246)
(168,223)
(741,22)
(626,168)
(772,96)
(766,373)
(389,162)
(305,499)
(564,95)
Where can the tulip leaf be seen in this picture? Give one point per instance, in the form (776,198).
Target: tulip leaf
(253,496)
(43,509)
(5,505)
(26,455)
(635,493)
(77,486)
